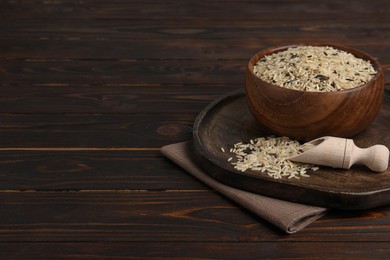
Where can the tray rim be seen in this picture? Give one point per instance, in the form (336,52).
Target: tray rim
(345,200)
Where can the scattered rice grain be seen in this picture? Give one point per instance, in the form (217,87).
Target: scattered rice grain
(269,155)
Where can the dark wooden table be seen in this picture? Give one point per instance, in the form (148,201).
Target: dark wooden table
(90,91)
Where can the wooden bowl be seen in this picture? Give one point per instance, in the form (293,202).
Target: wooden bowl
(304,115)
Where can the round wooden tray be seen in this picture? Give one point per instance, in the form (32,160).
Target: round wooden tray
(228,120)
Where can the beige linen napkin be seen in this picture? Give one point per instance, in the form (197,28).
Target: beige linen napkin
(288,216)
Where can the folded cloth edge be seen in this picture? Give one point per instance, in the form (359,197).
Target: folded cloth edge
(288,216)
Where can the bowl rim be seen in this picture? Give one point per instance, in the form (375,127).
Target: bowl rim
(278,48)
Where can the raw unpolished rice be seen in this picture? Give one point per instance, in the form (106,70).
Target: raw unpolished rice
(268,155)
(314,68)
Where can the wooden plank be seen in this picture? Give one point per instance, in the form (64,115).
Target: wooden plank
(155,9)
(129,72)
(160,45)
(90,130)
(123,216)
(92,169)
(122,72)
(108,99)
(164,216)
(195,250)
(287,29)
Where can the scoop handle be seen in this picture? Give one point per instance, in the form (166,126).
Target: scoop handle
(375,157)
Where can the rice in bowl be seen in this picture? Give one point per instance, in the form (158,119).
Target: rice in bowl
(314,68)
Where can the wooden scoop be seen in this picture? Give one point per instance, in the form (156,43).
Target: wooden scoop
(343,153)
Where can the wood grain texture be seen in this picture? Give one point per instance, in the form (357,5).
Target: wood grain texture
(91,89)
(94,130)
(112,99)
(122,215)
(156,44)
(109,98)
(153,10)
(195,250)
(171,216)
(124,71)
(46,170)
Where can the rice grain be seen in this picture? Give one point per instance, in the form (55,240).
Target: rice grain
(269,155)
(314,68)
